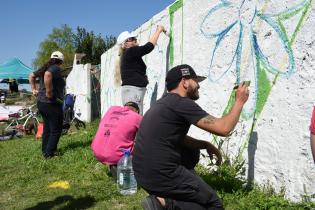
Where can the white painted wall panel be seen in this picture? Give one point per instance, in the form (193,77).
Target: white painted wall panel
(79,83)
(271,43)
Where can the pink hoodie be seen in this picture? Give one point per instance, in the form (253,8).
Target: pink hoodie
(117,131)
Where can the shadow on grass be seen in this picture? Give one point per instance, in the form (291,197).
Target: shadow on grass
(67,202)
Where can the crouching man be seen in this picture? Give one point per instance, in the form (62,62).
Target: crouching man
(164,156)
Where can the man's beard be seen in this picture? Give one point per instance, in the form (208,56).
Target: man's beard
(193,94)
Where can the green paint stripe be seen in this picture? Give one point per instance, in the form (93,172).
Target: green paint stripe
(182,40)
(230,103)
(293,13)
(289,15)
(283,29)
(299,25)
(297,29)
(264,89)
(176,6)
(172,9)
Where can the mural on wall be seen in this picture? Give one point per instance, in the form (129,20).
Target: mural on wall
(250,32)
(248,57)
(233,41)
(247,37)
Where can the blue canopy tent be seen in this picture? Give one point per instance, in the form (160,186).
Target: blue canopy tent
(14,69)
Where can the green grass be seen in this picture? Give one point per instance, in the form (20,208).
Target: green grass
(25,177)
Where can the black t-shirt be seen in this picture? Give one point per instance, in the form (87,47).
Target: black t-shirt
(159,139)
(133,69)
(58,84)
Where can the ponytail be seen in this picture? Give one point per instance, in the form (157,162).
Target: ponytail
(117,74)
(41,72)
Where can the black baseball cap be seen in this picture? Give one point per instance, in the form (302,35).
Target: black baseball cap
(178,72)
(132,104)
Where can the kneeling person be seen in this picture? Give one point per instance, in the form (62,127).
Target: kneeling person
(116,132)
(162,162)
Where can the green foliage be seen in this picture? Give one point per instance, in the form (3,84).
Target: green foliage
(61,39)
(261,199)
(227,177)
(68,42)
(91,45)
(232,188)
(20,99)
(26,175)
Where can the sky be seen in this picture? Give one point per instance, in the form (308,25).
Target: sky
(24,24)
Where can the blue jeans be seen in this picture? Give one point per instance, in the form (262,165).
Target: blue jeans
(52,116)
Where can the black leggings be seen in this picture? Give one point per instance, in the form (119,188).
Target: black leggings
(52,116)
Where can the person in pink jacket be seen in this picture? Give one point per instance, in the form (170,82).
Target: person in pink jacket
(116,132)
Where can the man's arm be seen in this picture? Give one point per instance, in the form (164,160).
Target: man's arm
(224,125)
(313,145)
(48,84)
(193,143)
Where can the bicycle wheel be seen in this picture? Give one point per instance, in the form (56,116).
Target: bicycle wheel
(78,123)
(11,125)
(66,121)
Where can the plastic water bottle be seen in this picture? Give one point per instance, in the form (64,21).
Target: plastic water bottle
(126,180)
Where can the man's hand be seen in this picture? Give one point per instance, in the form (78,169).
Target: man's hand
(242,93)
(193,143)
(212,150)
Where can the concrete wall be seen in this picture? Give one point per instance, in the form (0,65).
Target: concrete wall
(271,43)
(79,83)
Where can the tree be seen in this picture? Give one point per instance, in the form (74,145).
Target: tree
(64,40)
(91,45)
(61,39)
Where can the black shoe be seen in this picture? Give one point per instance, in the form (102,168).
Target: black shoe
(53,155)
(151,203)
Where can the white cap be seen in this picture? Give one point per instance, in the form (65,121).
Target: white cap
(124,36)
(57,55)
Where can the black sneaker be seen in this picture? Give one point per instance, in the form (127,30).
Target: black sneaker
(53,155)
(151,203)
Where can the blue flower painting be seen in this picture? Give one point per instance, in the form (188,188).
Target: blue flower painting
(247,34)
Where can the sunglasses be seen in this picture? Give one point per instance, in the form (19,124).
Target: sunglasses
(131,39)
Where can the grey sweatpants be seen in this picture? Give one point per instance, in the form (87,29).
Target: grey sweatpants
(134,94)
